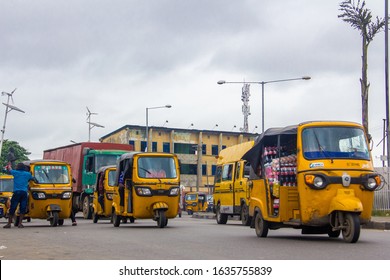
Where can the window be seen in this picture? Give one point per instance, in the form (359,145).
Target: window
(166,147)
(213,169)
(132,143)
(214,150)
(218,174)
(181,148)
(188,169)
(204,169)
(156,167)
(227,172)
(204,149)
(143,146)
(154,146)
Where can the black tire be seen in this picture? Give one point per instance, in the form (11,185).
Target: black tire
(351,232)
(116,219)
(95,217)
(132,220)
(221,218)
(87,209)
(162,220)
(245,219)
(261,225)
(54,219)
(61,222)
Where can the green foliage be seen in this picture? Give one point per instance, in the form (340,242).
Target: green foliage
(20,153)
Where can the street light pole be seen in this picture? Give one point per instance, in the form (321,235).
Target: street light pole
(8,108)
(147,122)
(262,83)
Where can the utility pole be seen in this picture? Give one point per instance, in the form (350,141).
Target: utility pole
(387,78)
(199,166)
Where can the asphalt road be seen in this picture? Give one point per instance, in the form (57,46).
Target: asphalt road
(184,238)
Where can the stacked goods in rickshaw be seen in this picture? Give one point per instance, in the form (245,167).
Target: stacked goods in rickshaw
(231,192)
(85,159)
(6,189)
(50,193)
(147,186)
(315,176)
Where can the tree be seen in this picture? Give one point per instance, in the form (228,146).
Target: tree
(12,151)
(359,17)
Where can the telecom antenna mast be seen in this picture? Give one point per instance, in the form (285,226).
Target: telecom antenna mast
(245,107)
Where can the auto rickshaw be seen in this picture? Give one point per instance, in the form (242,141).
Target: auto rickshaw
(50,194)
(147,186)
(6,189)
(195,202)
(315,176)
(102,198)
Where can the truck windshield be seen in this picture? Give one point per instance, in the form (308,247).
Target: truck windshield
(334,142)
(105,160)
(51,174)
(156,167)
(6,185)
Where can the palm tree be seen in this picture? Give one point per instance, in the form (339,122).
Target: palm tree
(359,17)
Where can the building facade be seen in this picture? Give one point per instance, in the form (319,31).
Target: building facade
(197,150)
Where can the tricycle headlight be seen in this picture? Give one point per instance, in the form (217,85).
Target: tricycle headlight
(38,195)
(109,196)
(143,191)
(66,195)
(372,182)
(315,181)
(174,191)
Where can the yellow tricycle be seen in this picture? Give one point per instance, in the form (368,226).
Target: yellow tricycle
(195,202)
(102,198)
(6,189)
(147,187)
(50,193)
(315,176)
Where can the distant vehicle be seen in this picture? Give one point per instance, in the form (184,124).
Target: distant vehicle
(195,202)
(85,159)
(231,191)
(6,189)
(210,203)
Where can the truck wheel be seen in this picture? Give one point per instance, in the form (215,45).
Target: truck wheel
(221,218)
(87,210)
(261,225)
(351,230)
(245,219)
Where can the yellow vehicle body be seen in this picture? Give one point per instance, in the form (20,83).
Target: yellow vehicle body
(103,194)
(143,192)
(50,194)
(6,190)
(195,202)
(231,192)
(321,179)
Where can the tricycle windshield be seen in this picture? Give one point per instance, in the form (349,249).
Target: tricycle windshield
(190,197)
(111,178)
(156,167)
(334,142)
(6,185)
(51,174)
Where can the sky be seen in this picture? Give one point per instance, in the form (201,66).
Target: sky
(120,57)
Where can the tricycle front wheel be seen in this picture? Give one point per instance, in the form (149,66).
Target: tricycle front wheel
(351,228)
